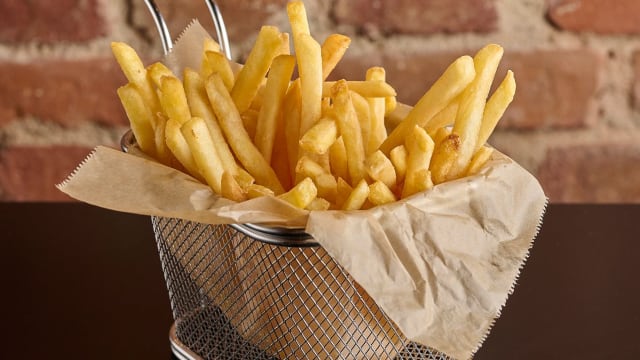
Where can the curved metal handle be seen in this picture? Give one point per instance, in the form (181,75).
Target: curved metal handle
(165,36)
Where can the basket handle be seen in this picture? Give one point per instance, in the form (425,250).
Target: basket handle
(165,36)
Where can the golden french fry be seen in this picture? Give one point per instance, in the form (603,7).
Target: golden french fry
(444,118)
(291,118)
(275,90)
(237,136)
(479,159)
(301,195)
(338,159)
(139,116)
(366,88)
(244,179)
(495,108)
(255,190)
(327,186)
(398,157)
(280,156)
(199,107)
(380,168)
(230,188)
(306,167)
(156,71)
(390,103)
(267,46)
(180,148)
(310,70)
(380,194)
(173,99)
(319,204)
(333,48)
(472,104)
(444,156)
(419,147)
(421,181)
(298,20)
(451,83)
(349,128)
(216,62)
(378,131)
(210,44)
(197,136)
(135,72)
(343,190)
(165,155)
(250,122)
(361,107)
(357,197)
(320,137)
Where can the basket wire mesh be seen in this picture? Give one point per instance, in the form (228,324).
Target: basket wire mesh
(237,297)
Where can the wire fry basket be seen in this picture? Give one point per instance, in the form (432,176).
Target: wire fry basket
(244,291)
(250,292)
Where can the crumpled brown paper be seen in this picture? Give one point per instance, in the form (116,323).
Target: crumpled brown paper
(441,264)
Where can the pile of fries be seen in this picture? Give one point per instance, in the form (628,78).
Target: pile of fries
(251,130)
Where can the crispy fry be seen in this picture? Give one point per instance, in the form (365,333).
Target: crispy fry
(237,136)
(327,186)
(301,195)
(349,128)
(306,167)
(156,71)
(361,107)
(139,116)
(444,156)
(366,88)
(180,148)
(333,48)
(495,108)
(380,168)
(319,204)
(343,190)
(320,137)
(173,99)
(275,90)
(378,131)
(230,188)
(357,197)
(199,107)
(297,14)
(472,104)
(338,159)
(380,194)
(444,118)
(451,83)
(395,117)
(210,44)
(216,62)
(255,190)
(398,157)
(479,159)
(419,149)
(280,156)
(291,119)
(204,154)
(267,46)
(310,70)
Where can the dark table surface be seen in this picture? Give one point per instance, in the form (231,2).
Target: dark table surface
(80,282)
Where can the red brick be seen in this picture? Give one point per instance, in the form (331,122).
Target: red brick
(600,173)
(44,21)
(599,16)
(419,16)
(554,87)
(66,92)
(243,18)
(31,173)
(636,79)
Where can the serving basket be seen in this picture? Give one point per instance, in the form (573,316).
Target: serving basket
(245,291)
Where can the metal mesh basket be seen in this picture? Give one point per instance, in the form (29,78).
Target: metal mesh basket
(247,292)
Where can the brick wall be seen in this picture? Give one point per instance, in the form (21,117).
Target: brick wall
(574,123)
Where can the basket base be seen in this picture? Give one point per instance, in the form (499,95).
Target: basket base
(180,350)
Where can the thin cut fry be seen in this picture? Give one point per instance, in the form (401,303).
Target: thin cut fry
(291,119)
(310,70)
(479,159)
(320,137)
(361,106)
(451,83)
(419,149)
(472,104)
(237,136)
(444,156)
(495,108)
(349,128)
(216,62)
(301,195)
(180,148)
(333,48)
(139,116)
(197,136)
(275,90)
(357,197)
(267,46)
(366,88)
(378,131)
(380,168)
(338,159)
(230,188)
(255,190)
(173,99)
(380,194)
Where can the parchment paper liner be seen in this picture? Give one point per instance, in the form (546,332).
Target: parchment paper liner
(441,264)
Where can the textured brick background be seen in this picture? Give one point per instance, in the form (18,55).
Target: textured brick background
(575,122)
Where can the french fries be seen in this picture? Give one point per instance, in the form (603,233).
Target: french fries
(315,144)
